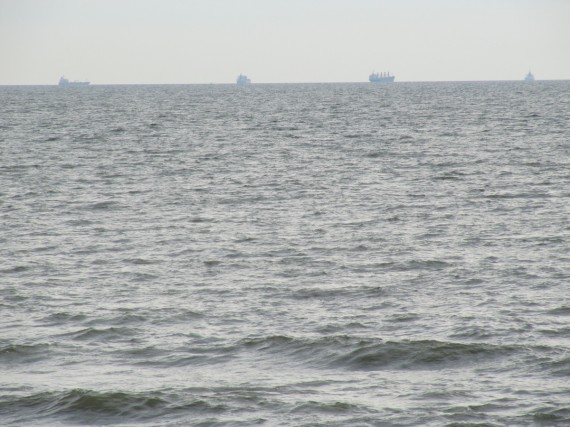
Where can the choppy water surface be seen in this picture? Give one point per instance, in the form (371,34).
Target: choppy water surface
(312,255)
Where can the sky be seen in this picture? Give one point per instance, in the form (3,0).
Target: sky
(281,41)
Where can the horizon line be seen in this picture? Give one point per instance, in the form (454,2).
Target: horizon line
(286,83)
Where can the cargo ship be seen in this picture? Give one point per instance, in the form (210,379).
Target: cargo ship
(242,80)
(381,78)
(66,82)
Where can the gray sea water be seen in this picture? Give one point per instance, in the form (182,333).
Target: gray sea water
(285,255)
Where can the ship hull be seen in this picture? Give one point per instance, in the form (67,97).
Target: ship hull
(75,84)
(243,80)
(388,79)
(63,82)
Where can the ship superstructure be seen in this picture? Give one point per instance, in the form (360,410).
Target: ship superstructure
(242,80)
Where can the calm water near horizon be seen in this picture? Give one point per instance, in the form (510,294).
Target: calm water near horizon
(285,255)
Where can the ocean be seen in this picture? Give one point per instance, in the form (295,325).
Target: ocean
(285,255)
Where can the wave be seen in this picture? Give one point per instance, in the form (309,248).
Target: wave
(238,406)
(23,353)
(349,292)
(103,206)
(411,265)
(420,355)
(335,352)
(91,407)
(557,364)
(555,416)
(81,406)
(17,269)
(111,334)
(61,318)
(352,353)
(560,311)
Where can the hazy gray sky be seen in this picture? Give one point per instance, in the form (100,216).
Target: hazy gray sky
(203,41)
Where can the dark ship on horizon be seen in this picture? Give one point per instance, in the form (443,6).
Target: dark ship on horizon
(242,80)
(66,82)
(381,78)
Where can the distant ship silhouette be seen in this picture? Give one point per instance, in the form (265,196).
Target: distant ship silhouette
(66,82)
(381,78)
(529,77)
(242,80)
